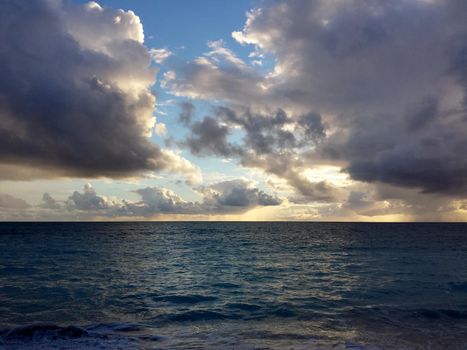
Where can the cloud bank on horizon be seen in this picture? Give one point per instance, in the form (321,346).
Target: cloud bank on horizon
(343,109)
(227,197)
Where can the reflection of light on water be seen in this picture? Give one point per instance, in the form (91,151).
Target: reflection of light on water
(242,285)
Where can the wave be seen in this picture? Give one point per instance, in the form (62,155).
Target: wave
(38,331)
(133,336)
(199,315)
(243,306)
(47,336)
(253,322)
(185,299)
(441,313)
(458,287)
(42,336)
(400,315)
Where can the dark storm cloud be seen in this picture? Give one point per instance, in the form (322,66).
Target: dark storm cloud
(268,133)
(422,114)
(74,91)
(270,142)
(388,78)
(264,133)
(207,137)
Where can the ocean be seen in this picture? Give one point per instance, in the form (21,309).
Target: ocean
(226,285)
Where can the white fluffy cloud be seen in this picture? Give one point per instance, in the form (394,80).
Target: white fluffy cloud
(160,55)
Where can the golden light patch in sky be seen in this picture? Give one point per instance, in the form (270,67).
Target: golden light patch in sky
(330,174)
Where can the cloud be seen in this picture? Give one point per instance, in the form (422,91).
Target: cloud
(48,202)
(208,137)
(14,209)
(173,162)
(75,96)
(160,129)
(155,200)
(274,143)
(160,55)
(9,202)
(88,200)
(235,195)
(186,113)
(228,197)
(387,78)
(218,74)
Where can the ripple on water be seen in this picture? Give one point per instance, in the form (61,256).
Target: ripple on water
(185,299)
(315,280)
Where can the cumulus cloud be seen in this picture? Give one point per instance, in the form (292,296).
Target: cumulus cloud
(75,96)
(218,74)
(274,143)
(235,195)
(160,55)
(228,197)
(48,202)
(174,162)
(160,129)
(388,79)
(14,209)
(10,202)
(208,137)
(88,200)
(156,200)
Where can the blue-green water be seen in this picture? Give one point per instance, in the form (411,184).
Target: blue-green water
(233,286)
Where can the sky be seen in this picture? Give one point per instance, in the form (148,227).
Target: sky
(326,110)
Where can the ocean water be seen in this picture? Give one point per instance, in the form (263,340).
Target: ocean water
(233,286)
